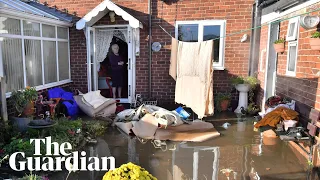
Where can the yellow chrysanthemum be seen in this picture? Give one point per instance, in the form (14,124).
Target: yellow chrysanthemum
(128,171)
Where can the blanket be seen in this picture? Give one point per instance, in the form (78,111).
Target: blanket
(94,99)
(274,117)
(194,85)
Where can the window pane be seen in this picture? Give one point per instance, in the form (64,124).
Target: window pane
(62,33)
(63,61)
(292,58)
(12,63)
(291,29)
(9,26)
(33,62)
(213,32)
(50,61)
(188,32)
(48,31)
(31,28)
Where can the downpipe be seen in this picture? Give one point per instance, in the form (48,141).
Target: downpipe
(150,50)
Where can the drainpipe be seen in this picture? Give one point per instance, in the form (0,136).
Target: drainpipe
(150,50)
(255,41)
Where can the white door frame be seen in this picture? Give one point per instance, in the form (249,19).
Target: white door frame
(131,61)
(266,69)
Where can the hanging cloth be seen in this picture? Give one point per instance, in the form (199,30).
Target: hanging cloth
(121,35)
(173,59)
(194,84)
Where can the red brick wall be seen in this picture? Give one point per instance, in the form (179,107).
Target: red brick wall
(304,86)
(236,12)
(262,62)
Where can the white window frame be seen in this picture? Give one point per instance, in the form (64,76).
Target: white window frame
(292,73)
(295,30)
(222,23)
(40,38)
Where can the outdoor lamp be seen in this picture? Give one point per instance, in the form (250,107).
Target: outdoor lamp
(112,16)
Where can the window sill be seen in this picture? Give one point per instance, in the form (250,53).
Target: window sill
(47,86)
(290,74)
(218,68)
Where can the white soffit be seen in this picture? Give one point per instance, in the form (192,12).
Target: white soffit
(101,10)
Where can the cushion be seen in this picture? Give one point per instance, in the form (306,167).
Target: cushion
(94,112)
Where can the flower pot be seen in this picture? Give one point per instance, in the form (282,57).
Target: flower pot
(279,47)
(21,123)
(224,105)
(314,43)
(29,110)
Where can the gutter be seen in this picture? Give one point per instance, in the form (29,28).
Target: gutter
(150,50)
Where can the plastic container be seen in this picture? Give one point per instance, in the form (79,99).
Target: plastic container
(289,123)
(182,113)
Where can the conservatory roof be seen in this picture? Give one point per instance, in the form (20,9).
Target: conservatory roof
(31,10)
(101,10)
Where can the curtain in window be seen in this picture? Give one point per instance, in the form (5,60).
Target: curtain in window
(9,26)
(50,61)
(13,65)
(63,60)
(103,40)
(33,62)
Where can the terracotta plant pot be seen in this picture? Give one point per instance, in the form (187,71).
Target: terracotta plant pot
(29,110)
(279,47)
(314,43)
(224,105)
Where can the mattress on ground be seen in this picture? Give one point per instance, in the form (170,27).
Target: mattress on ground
(106,109)
(197,131)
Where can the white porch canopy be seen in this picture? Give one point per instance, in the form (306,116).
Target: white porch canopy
(101,10)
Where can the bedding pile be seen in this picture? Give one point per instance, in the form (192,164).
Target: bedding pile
(153,122)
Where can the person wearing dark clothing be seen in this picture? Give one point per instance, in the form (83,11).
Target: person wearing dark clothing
(117,67)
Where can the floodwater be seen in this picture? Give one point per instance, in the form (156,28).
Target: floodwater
(239,148)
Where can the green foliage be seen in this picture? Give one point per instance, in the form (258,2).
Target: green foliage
(19,145)
(315,34)
(253,81)
(67,131)
(252,107)
(94,128)
(20,99)
(129,171)
(32,177)
(280,41)
(219,97)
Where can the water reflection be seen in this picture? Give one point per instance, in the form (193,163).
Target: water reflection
(240,153)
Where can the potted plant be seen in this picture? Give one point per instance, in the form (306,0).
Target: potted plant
(222,101)
(279,45)
(23,102)
(244,85)
(315,40)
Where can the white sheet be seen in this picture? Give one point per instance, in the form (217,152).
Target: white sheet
(94,99)
(194,85)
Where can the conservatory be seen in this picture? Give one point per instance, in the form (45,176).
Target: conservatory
(34,43)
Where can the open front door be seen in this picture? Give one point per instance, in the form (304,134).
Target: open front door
(131,60)
(91,61)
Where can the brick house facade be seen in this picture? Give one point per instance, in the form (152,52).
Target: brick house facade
(236,13)
(303,86)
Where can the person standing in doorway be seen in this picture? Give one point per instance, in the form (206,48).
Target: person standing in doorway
(117,68)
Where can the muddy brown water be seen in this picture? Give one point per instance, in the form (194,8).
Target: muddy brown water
(239,148)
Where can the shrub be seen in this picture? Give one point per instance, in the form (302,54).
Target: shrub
(315,34)
(280,41)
